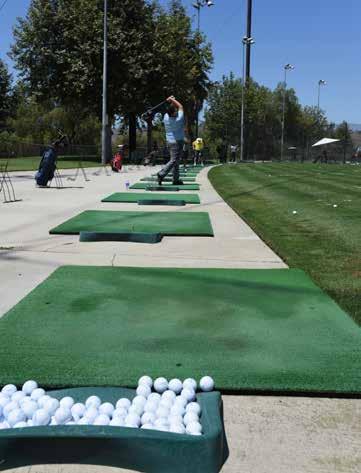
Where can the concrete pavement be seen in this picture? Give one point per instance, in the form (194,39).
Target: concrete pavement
(265,434)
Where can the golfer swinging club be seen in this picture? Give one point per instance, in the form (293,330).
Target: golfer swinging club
(174,132)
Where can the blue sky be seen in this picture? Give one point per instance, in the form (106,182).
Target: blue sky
(322,38)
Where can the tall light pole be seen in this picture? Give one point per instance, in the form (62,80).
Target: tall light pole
(249,35)
(198,5)
(287,67)
(320,83)
(105,73)
(247,42)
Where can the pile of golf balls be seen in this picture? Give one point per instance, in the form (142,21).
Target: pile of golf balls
(169,406)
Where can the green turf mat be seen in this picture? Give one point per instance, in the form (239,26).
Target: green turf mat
(171,187)
(143,196)
(134,237)
(258,330)
(135,449)
(167,179)
(165,223)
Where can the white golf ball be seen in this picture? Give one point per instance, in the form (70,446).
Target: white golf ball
(102,419)
(177,429)
(154,397)
(175,385)
(20,425)
(67,402)
(139,401)
(41,417)
(83,421)
(10,406)
(194,407)
(29,408)
(78,411)
(294,212)
(4,425)
(335,205)
(132,419)
(147,380)
(51,405)
(161,422)
(167,403)
(15,416)
(37,394)
(29,387)
(123,402)
(43,400)
(30,423)
(53,421)
(151,406)
(162,412)
(188,394)
(160,385)
(177,409)
(9,390)
(206,384)
(120,412)
(106,408)
(62,415)
(194,428)
(190,417)
(169,395)
(175,419)
(4,400)
(163,428)
(70,422)
(143,390)
(91,414)
(117,422)
(93,401)
(136,409)
(17,396)
(148,418)
(190,383)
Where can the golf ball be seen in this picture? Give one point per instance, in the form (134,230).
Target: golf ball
(106,408)
(78,411)
(132,419)
(4,425)
(120,412)
(154,397)
(169,395)
(17,396)
(20,425)
(15,416)
(177,409)
(148,418)
(93,401)
(10,406)
(102,419)
(335,205)
(136,409)
(175,419)
(180,400)
(117,422)
(123,402)
(147,380)
(9,390)
(67,402)
(162,412)
(91,414)
(29,387)
(188,394)
(160,385)
(161,422)
(177,429)
(139,401)
(43,400)
(194,407)
(41,417)
(190,383)
(29,408)
(150,406)
(194,428)
(148,426)
(294,212)
(190,417)
(143,390)
(83,421)
(175,385)
(206,384)
(37,394)
(62,415)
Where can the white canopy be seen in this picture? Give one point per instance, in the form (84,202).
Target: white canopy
(324,141)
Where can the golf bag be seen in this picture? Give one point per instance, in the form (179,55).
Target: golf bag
(47,167)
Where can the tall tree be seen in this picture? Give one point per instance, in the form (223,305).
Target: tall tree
(6,96)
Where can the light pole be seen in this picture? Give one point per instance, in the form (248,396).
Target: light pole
(247,42)
(287,67)
(320,82)
(105,70)
(198,5)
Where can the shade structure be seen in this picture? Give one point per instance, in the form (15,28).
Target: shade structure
(325,141)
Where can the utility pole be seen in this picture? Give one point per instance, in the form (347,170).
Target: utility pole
(105,74)
(287,67)
(249,35)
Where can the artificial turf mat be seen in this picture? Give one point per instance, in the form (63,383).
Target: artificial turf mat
(252,330)
(143,196)
(167,179)
(135,449)
(170,187)
(165,223)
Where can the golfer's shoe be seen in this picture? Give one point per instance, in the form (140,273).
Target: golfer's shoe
(160,179)
(178,183)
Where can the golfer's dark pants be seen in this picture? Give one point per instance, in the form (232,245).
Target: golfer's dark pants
(176,151)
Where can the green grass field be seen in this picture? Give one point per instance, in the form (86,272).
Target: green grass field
(32,163)
(321,239)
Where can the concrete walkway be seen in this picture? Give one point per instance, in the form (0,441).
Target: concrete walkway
(265,434)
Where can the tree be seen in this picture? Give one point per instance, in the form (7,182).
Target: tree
(6,96)
(343,133)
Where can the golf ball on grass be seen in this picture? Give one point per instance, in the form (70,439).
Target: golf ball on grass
(206,384)
(160,385)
